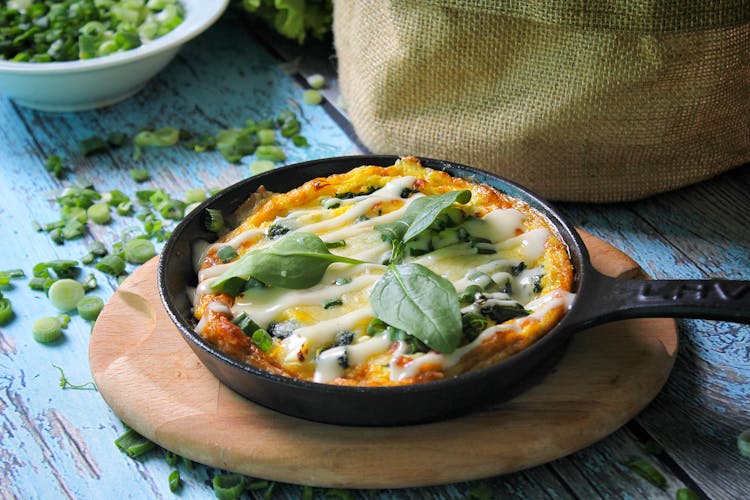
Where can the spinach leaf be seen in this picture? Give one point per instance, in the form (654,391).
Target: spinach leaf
(297,261)
(423,304)
(417,218)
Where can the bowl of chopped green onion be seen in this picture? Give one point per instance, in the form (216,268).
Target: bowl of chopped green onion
(74,55)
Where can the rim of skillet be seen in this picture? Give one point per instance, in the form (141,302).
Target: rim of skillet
(577,254)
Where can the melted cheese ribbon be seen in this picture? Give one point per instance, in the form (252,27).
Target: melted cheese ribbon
(315,327)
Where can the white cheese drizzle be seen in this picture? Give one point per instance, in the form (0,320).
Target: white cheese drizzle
(306,344)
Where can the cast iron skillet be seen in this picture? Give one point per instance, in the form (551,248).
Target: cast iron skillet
(599,299)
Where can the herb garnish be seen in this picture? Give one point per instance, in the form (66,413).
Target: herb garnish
(410,296)
(296,261)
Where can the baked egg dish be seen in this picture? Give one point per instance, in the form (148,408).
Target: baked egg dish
(381,276)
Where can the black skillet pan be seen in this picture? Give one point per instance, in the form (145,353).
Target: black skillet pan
(599,299)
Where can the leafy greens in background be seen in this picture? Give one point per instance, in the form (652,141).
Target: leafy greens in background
(294,19)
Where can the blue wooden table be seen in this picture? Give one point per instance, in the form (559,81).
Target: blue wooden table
(58,443)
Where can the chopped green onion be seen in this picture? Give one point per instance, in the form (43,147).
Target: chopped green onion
(228,486)
(271,153)
(167,136)
(124,208)
(133,444)
(245,323)
(300,141)
(64,294)
(260,166)
(139,175)
(72,229)
(63,268)
(213,220)
(262,339)
(97,248)
(93,145)
(99,213)
(46,329)
(174,481)
(226,253)
(64,320)
(743,443)
(195,195)
(330,303)
(686,494)
(116,139)
(171,458)
(54,166)
(6,311)
(90,283)
(290,127)
(647,471)
(316,81)
(112,265)
(312,97)
(90,307)
(139,251)
(336,244)
(172,209)
(233,144)
(266,136)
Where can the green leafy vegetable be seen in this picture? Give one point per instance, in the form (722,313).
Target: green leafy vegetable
(294,19)
(415,299)
(418,217)
(298,260)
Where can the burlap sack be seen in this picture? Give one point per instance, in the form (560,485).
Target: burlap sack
(588,100)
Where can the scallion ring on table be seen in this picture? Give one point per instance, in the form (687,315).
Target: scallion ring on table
(64,294)
(46,329)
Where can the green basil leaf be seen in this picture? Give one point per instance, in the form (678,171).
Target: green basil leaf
(296,261)
(418,301)
(424,211)
(419,216)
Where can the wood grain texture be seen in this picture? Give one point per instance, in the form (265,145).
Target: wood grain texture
(154,382)
(697,232)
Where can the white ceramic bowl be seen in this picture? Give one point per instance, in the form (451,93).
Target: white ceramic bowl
(92,83)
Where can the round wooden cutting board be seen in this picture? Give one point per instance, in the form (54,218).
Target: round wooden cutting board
(152,380)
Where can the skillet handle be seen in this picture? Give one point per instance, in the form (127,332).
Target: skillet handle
(605,299)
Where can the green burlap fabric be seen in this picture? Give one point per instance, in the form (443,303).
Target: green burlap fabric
(587,100)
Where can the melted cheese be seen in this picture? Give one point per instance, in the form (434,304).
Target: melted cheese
(518,263)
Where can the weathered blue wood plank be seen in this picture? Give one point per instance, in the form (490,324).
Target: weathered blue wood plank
(697,232)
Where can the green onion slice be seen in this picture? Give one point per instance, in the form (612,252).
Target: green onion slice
(174,481)
(112,265)
(139,251)
(226,253)
(46,329)
(64,294)
(213,220)
(262,339)
(133,444)
(6,311)
(90,307)
(99,213)
(228,486)
(647,471)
